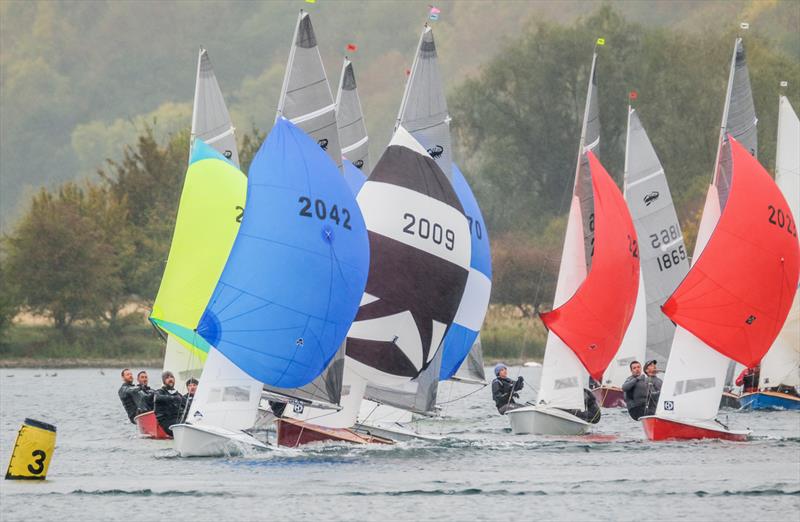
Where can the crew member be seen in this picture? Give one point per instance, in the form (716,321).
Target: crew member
(635,400)
(191,388)
(127,394)
(591,410)
(653,387)
(504,390)
(168,403)
(748,379)
(144,396)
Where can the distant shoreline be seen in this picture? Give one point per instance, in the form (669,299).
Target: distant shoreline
(76,362)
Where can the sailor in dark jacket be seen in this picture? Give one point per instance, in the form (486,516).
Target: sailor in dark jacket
(127,394)
(191,388)
(591,410)
(642,390)
(144,396)
(168,403)
(504,390)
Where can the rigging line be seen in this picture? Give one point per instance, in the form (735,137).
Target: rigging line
(479,388)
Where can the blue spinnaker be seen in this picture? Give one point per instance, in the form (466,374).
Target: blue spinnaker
(297,270)
(464,330)
(354,176)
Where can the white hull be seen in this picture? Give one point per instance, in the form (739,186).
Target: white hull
(210,441)
(395,432)
(542,420)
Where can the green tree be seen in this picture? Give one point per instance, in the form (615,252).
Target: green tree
(60,260)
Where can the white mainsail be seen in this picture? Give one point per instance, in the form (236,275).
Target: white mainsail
(212,124)
(423,110)
(696,373)
(664,258)
(306,98)
(350,121)
(781,364)
(563,374)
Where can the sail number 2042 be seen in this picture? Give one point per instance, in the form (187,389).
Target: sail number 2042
(322,211)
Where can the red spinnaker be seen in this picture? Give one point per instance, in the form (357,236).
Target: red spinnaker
(594,320)
(737,294)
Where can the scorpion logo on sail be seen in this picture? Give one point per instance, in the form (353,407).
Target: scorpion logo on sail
(359,164)
(323,143)
(649,198)
(436,151)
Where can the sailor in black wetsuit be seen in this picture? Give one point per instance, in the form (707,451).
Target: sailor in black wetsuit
(191,388)
(504,390)
(127,394)
(168,403)
(591,410)
(144,395)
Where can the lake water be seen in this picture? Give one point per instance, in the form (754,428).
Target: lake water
(102,470)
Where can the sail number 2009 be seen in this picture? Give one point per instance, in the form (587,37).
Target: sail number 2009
(426,230)
(322,211)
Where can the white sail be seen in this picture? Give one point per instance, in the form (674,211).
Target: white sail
(350,121)
(423,111)
(212,124)
(306,98)
(211,121)
(781,364)
(227,397)
(664,258)
(563,374)
(633,344)
(696,373)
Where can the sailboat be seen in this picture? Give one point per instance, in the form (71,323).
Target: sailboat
(780,367)
(595,294)
(211,123)
(737,294)
(664,262)
(209,212)
(289,291)
(352,129)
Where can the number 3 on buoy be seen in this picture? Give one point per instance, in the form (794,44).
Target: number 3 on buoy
(33,451)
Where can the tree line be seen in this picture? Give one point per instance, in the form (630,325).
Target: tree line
(83,251)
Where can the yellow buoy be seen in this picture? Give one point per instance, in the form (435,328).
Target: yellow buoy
(33,451)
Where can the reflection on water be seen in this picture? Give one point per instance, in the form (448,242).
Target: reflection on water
(102,470)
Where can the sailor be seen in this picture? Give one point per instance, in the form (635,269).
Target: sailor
(144,395)
(653,387)
(127,394)
(504,390)
(191,387)
(748,379)
(168,403)
(591,410)
(635,399)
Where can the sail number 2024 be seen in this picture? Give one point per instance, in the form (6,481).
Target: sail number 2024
(322,211)
(782,219)
(426,230)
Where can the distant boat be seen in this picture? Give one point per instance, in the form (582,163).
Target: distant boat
(595,294)
(737,294)
(780,367)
